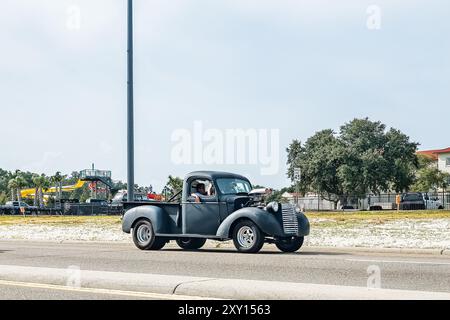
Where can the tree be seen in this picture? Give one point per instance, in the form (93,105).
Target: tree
(277,195)
(12,186)
(57,180)
(173,186)
(319,161)
(363,158)
(41,183)
(20,184)
(429,177)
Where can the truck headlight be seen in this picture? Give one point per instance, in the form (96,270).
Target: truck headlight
(273,207)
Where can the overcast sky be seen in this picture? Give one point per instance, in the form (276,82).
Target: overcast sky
(296,66)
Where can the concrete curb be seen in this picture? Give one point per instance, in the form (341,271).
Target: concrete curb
(384,250)
(206,287)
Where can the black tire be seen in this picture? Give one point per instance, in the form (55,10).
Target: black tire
(290,244)
(441,208)
(247,237)
(191,243)
(144,237)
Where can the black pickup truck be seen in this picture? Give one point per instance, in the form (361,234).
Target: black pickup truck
(218,206)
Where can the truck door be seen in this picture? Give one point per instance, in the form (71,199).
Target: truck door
(201,218)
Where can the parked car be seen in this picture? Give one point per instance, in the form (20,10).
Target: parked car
(432,202)
(13,207)
(348,208)
(215,205)
(122,196)
(412,201)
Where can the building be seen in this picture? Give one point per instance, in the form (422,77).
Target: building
(441,156)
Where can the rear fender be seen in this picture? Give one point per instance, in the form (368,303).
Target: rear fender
(154,214)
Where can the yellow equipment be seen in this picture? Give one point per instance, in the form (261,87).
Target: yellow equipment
(26,193)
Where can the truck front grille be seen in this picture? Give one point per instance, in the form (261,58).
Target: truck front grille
(290,222)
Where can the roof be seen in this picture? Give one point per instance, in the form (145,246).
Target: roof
(214,175)
(433,153)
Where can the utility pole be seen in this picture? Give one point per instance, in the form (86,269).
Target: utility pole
(130,107)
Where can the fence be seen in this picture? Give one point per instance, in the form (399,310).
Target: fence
(385,201)
(78,209)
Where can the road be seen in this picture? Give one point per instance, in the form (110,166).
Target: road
(342,267)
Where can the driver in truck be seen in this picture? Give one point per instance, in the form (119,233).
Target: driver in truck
(201,192)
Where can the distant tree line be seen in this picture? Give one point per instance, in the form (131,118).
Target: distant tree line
(13,182)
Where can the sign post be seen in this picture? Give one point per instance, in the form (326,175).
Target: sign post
(130,107)
(297,180)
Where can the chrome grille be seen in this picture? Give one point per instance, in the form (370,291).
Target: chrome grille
(290,222)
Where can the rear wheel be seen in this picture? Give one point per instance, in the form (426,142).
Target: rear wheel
(291,244)
(247,237)
(144,237)
(191,243)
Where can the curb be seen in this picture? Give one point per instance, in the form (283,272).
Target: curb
(196,287)
(385,250)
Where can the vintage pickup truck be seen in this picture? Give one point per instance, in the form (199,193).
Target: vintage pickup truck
(218,206)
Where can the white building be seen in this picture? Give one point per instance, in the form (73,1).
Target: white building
(441,156)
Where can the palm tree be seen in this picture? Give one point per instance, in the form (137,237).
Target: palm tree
(42,183)
(12,185)
(57,180)
(21,183)
(36,184)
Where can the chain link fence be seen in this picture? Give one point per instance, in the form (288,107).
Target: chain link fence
(73,209)
(385,201)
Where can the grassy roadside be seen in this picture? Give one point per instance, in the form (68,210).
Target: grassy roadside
(388,215)
(353,219)
(59,220)
(318,218)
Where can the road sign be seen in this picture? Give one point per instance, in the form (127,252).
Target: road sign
(297,174)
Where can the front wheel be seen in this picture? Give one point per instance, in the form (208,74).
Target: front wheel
(191,243)
(247,237)
(289,244)
(144,237)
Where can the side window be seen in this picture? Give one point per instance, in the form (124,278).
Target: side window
(202,188)
(447,162)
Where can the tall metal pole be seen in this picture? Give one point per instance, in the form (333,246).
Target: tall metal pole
(130,103)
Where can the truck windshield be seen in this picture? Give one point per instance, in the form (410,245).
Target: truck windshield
(233,186)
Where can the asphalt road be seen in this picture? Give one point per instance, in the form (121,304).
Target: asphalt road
(422,272)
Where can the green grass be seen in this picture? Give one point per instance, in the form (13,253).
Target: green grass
(351,219)
(59,220)
(330,218)
(389,215)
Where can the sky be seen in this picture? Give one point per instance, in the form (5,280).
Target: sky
(275,70)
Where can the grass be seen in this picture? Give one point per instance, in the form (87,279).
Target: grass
(389,215)
(351,219)
(329,218)
(59,220)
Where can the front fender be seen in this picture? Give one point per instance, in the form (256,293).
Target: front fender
(154,214)
(266,221)
(303,225)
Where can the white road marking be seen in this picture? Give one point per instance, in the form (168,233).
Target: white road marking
(400,261)
(136,294)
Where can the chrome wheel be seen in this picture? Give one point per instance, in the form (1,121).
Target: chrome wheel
(246,237)
(144,233)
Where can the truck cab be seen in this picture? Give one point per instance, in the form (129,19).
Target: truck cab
(218,206)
